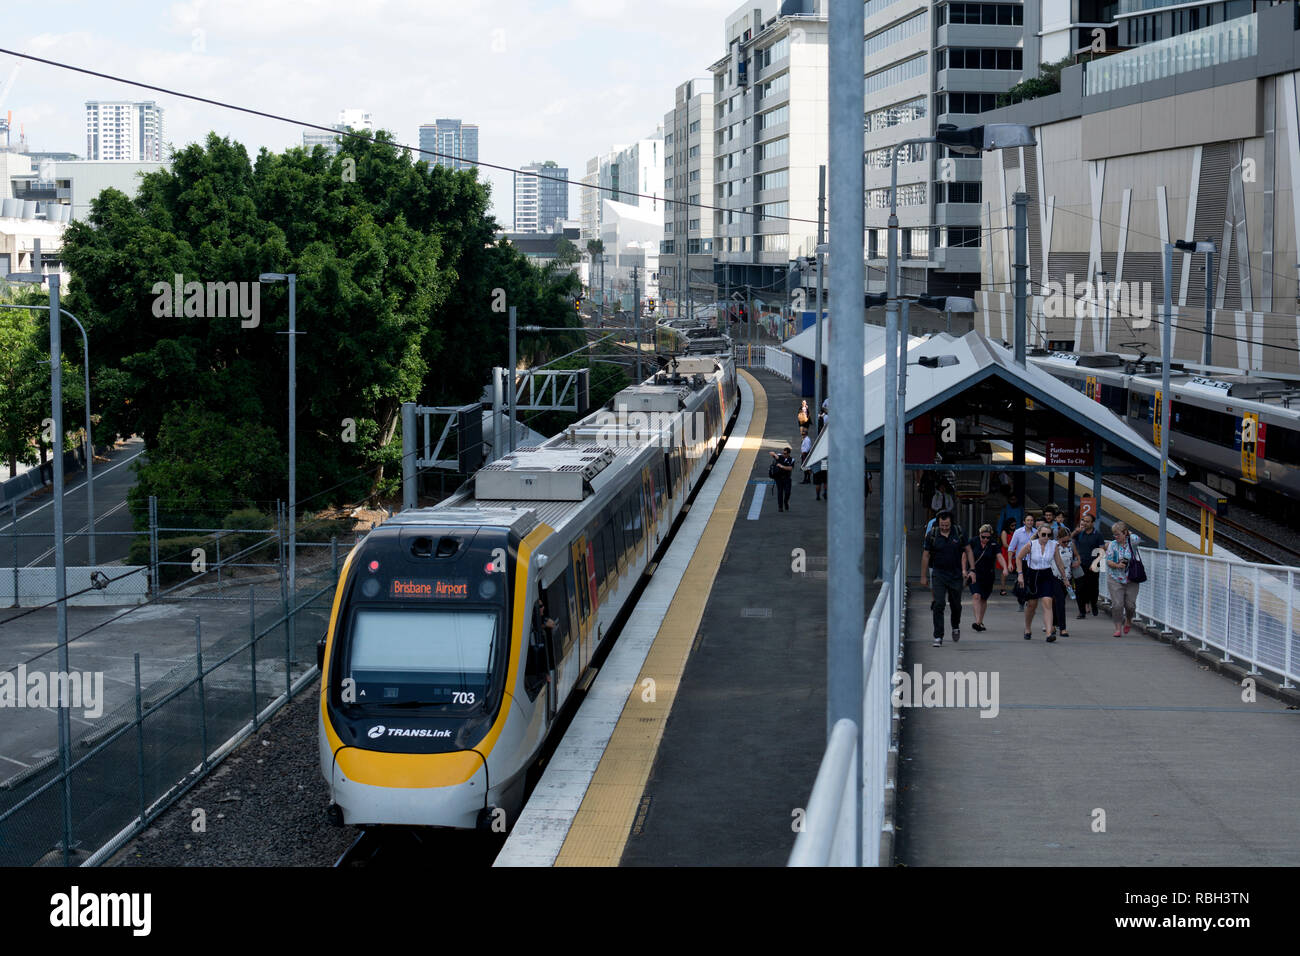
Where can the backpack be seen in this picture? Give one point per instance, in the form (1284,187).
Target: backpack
(773,471)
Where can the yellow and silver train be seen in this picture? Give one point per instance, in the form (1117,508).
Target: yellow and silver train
(458,632)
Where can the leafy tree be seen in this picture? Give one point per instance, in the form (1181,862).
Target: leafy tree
(1046,83)
(566,253)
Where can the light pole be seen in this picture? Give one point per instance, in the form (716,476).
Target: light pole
(292,278)
(822,249)
(1104,275)
(90,443)
(1166,399)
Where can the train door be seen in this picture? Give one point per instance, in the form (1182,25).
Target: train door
(1157,414)
(585,598)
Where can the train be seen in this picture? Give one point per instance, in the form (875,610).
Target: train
(458,632)
(1237,433)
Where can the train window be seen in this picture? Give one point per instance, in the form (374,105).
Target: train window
(611,552)
(620,546)
(557,607)
(584,586)
(598,551)
(660,484)
(1282,445)
(629,530)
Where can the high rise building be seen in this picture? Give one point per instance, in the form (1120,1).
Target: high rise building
(929,63)
(770,137)
(349,119)
(686,254)
(632,175)
(541,197)
(117,130)
(455,143)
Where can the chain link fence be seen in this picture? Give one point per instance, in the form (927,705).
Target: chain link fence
(133,761)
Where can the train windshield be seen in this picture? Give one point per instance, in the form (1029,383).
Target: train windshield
(434,656)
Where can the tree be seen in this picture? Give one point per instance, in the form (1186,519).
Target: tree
(1046,83)
(566,253)
(22,364)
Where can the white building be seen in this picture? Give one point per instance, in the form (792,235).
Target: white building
(631,236)
(686,268)
(633,175)
(771,135)
(68,186)
(355,119)
(119,130)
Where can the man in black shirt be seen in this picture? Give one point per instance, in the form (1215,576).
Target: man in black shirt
(1087,539)
(947,548)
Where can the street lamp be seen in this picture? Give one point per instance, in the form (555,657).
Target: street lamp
(1166,346)
(292,279)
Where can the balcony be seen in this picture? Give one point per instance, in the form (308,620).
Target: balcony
(1214,45)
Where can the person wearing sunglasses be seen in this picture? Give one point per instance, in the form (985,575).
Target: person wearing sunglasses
(1034,562)
(984,554)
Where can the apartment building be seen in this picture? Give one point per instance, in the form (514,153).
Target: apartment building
(455,142)
(120,130)
(686,253)
(770,136)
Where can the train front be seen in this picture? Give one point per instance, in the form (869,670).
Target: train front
(414,676)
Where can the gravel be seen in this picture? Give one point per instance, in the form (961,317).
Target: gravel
(263,806)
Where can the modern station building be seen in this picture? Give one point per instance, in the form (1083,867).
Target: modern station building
(1191,134)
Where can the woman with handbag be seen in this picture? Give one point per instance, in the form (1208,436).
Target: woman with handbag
(1034,563)
(1124,572)
(984,556)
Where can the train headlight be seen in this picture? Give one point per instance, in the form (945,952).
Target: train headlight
(370,587)
(487,589)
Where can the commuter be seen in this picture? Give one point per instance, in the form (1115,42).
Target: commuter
(1064,584)
(805,449)
(1034,563)
(819,485)
(1023,535)
(803,417)
(1123,592)
(1005,562)
(1011,510)
(782,472)
(1087,539)
(1055,517)
(982,557)
(1004,485)
(949,547)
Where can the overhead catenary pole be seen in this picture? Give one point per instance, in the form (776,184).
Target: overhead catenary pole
(846,603)
(510,383)
(1021,264)
(1208,351)
(636,319)
(1166,400)
(900,487)
(817,317)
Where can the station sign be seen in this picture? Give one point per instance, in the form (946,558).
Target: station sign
(1069,453)
(1215,502)
(429,589)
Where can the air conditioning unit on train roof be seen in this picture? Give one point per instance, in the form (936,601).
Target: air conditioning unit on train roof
(652,398)
(542,474)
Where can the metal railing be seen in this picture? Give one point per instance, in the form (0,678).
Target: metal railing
(1246,611)
(776,360)
(1223,42)
(171,733)
(827,838)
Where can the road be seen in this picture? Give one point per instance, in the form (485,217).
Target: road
(33,539)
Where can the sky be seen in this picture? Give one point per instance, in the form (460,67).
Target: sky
(544,79)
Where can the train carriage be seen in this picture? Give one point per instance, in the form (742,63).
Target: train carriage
(459,632)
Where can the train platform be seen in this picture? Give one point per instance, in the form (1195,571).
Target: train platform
(717,737)
(1091,751)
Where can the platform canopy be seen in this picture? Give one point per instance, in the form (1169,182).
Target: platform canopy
(804,344)
(979,359)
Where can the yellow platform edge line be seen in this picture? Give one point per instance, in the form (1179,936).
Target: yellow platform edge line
(604,820)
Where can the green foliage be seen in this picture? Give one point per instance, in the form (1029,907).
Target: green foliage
(397,266)
(1045,84)
(566,253)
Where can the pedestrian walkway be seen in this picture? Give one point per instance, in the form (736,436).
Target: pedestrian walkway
(1095,751)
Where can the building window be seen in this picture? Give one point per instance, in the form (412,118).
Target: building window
(898,73)
(693,225)
(912,194)
(955,237)
(774,117)
(916,243)
(771,87)
(694,127)
(694,151)
(774,243)
(904,112)
(964,102)
(911,153)
(779,179)
(777,51)
(989,14)
(875,6)
(774,210)
(778,147)
(899,31)
(957,192)
(965,58)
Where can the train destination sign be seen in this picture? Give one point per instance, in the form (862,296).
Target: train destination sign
(428,588)
(1069,452)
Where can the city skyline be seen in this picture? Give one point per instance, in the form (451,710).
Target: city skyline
(306,64)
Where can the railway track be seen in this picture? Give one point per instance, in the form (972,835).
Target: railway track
(1250,543)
